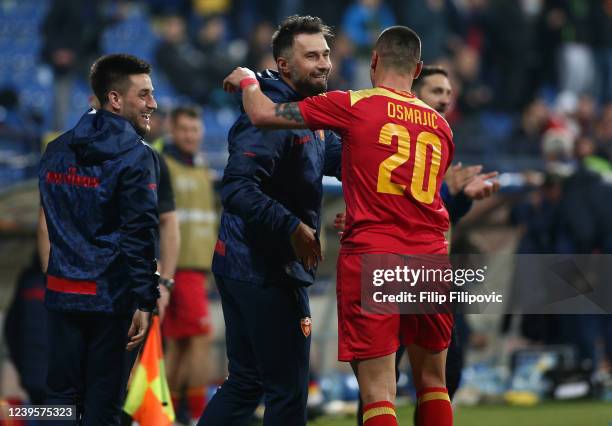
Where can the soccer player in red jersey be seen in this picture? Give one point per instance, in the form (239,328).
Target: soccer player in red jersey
(396,150)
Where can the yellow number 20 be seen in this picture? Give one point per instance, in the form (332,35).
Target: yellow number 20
(386,168)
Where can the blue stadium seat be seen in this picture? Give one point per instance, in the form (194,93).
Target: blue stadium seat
(498,125)
(133,35)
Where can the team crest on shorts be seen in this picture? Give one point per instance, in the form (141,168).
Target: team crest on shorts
(306,324)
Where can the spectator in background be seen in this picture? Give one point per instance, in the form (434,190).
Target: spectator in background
(526,138)
(182,63)
(510,53)
(585,114)
(259,45)
(187,325)
(343,58)
(473,25)
(431,19)
(159,130)
(584,218)
(211,38)
(218,60)
(602,42)
(547,41)
(603,130)
(537,218)
(568,215)
(328,11)
(570,24)
(557,148)
(474,94)
(587,153)
(169,234)
(72,32)
(362,22)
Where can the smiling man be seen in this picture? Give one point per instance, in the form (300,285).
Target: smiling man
(391,208)
(99,205)
(268,245)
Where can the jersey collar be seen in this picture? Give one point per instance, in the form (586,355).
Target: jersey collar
(399,92)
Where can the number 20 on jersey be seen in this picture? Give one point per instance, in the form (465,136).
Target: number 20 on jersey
(421,192)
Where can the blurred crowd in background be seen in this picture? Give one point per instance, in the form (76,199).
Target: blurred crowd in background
(532,98)
(532,79)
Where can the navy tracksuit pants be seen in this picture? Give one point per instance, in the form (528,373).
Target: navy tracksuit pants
(268,355)
(89,366)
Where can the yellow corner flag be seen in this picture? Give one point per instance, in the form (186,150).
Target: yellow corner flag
(148,400)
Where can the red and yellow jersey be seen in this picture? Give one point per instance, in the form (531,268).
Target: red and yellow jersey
(395,152)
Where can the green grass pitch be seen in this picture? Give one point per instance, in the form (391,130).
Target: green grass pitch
(585,413)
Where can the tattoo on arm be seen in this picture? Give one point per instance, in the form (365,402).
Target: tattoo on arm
(290,111)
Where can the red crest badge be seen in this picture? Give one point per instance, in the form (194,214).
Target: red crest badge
(306,324)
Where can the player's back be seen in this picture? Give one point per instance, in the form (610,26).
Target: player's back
(395,151)
(394,160)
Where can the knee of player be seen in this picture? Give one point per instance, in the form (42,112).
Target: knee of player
(428,379)
(376,393)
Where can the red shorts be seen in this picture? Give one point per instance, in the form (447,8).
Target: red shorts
(187,313)
(363,335)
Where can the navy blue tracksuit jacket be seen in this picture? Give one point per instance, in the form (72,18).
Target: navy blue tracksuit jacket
(272,181)
(98,186)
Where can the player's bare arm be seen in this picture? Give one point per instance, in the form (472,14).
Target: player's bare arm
(261,110)
(290,111)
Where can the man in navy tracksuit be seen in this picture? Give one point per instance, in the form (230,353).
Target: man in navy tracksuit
(98,191)
(268,244)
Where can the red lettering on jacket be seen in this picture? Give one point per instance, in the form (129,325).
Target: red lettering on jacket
(71,178)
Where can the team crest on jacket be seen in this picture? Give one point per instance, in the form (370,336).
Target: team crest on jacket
(306,324)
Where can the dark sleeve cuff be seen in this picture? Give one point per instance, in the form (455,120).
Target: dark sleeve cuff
(460,206)
(147,305)
(293,224)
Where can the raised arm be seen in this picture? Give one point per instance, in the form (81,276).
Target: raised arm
(261,110)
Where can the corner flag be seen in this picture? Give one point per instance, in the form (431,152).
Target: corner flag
(148,400)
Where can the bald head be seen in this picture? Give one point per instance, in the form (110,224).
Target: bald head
(399,49)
